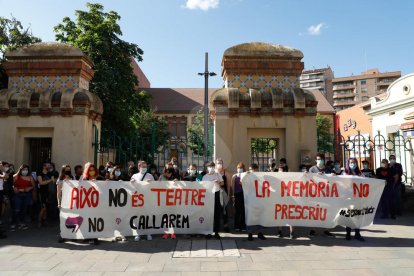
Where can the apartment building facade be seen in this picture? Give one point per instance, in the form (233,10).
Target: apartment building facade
(319,79)
(352,90)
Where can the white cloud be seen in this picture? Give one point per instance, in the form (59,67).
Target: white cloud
(202,4)
(316,29)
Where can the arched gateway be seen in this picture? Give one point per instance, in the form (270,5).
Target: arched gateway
(261,112)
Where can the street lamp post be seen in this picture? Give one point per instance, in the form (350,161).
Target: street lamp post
(206,74)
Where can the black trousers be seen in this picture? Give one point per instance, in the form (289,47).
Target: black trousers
(239,216)
(218,210)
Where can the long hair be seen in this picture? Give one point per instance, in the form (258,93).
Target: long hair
(88,166)
(19,172)
(63,172)
(348,170)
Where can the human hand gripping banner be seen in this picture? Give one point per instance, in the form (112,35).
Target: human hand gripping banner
(104,209)
(305,199)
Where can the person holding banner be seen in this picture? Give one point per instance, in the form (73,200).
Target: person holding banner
(238,199)
(337,170)
(225,190)
(254,168)
(218,196)
(168,175)
(353,169)
(386,173)
(320,165)
(115,174)
(65,175)
(142,175)
(192,173)
(320,168)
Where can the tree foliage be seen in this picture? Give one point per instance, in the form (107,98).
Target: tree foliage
(195,133)
(97,33)
(324,135)
(12,36)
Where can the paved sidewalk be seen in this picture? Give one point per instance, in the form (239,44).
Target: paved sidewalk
(388,250)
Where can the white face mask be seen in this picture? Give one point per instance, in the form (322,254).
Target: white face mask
(210,169)
(110,170)
(25,172)
(5,169)
(175,166)
(117,173)
(383,165)
(143,170)
(239,170)
(219,166)
(392,161)
(320,163)
(251,170)
(192,172)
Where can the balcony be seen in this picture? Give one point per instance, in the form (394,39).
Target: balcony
(344,103)
(343,95)
(343,87)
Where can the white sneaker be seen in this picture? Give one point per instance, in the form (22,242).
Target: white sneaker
(137,238)
(149,237)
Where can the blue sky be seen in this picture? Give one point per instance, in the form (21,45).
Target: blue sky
(350,36)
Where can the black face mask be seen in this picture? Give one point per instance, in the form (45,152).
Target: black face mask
(68,173)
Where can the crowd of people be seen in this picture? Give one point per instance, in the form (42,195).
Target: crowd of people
(36,196)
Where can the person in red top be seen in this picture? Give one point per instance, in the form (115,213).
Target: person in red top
(23,185)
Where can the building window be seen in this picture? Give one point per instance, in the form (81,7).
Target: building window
(365,98)
(363,82)
(177,126)
(363,90)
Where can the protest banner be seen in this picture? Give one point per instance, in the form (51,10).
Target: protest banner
(104,209)
(305,199)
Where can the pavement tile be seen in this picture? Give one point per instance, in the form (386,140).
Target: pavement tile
(36,265)
(187,266)
(219,266)
(74,266)
(109,266)
(145,267)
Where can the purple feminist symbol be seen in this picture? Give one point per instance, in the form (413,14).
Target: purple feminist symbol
(201,219)
(74,223)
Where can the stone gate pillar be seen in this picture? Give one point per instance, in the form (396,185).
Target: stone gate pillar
(261,98)
(47,111)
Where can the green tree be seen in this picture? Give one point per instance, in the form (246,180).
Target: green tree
(97,34)
(195,133)
(12,36)
(324,135)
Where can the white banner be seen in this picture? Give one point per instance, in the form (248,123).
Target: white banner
(305,199)
(104,209)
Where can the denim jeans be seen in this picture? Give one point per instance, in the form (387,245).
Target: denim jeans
(22,201)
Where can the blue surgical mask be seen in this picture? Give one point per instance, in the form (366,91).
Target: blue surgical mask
(337,166)
(352,166)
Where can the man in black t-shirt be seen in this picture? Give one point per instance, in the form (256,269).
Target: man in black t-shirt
(398,185)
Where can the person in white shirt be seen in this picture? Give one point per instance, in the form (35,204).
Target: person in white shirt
(142,175)
(218,201)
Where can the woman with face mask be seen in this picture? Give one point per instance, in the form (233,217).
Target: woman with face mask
(337,170)
(366,170)
(22,187)
(225,192)
(238,199)
(115,174)
(91,173)
(65,175)
(387,198)
(142,175)
(218,201)
(44,178)
(353,169)
(154,171)
(191,175)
